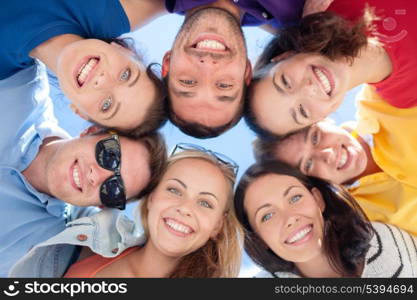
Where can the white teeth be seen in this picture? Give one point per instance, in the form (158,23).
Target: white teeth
(177,226)
(324,80)
(300,235)
(343,159)
(76,177)
(85,70)
(210,44)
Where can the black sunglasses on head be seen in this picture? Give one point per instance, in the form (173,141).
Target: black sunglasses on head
(108,156)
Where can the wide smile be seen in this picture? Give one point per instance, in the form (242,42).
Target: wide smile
(75,176)
(300,236)
(211,43)
(344,159)
(85,69)
(325,79)
(178,228)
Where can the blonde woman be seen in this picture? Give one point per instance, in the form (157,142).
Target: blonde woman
(188,220)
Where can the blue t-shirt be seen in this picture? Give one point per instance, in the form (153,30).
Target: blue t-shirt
(25,24)
(27,217)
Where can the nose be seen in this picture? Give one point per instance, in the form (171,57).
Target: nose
(96,175)
(292,220)
(101,80)
(184,209)
(208,61)
(328,154)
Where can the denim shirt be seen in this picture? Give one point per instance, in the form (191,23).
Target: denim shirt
(108,233)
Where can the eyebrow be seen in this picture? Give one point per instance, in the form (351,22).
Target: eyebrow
(228,98)
(182,93)
(136,78)
(114,111)
(306,132)
(289,189)
(185,186)
(261,207)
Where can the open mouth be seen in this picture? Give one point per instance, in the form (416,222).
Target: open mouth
(84,72)
(177,227)
(343,158)
(300,236)
(75,176)
(210,42)
(325,79)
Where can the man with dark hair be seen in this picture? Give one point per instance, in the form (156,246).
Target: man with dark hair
(43,171)
(207,69)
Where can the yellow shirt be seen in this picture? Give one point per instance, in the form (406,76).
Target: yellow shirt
(389,196)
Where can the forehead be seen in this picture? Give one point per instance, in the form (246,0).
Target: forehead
(205,110)
(268,189)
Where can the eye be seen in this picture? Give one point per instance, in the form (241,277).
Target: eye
(295,199)
(125,75)
(205,203)
(266,217)
(224,86)
(308,165)
(188,82)
(303,111)
(315,138)
(285,82)
(174,191)
(105,106)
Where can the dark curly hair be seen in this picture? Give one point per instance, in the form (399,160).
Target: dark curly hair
(325,33)
(347,231)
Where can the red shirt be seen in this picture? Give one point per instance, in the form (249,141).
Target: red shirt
(397,30)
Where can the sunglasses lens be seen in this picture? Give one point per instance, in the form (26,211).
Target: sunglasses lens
(108,154)
(112,193)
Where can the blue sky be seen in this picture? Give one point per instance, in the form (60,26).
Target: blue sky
(153,41)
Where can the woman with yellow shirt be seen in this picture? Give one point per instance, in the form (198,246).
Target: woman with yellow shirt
(374,158)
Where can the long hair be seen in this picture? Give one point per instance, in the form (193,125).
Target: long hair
(347,231)
(324,33)
(219,257)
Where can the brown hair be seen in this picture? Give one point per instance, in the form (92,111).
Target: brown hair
(156,116)
(347,231)
(219,257)
(325,33)
(198,130)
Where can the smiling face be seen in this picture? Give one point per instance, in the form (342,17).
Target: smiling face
(325,151)
(74,176)
(207,68)
(106,83)
(286,216)
(298,91)
(187,207)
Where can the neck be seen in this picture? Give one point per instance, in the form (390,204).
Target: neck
(35,173)
(319,267)
(48,52)
(224,4)
(371,165)
(148,262)
(371,66)
(141,12)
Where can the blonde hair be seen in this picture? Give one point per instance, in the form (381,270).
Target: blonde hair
(219,257)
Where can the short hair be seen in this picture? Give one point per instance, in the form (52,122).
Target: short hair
(198,130)
(219,257)
(347,231)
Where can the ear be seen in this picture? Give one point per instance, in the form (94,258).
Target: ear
(282,56)
(319,199)
(90,130)
(78,112)
(248,72)
(218,227)
(165,63)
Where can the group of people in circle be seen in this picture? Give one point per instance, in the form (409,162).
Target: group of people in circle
(320,201)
